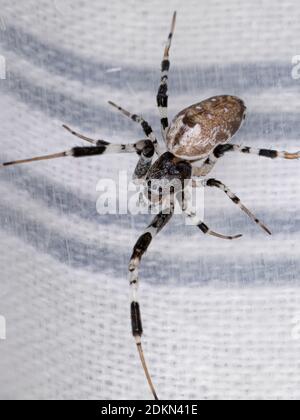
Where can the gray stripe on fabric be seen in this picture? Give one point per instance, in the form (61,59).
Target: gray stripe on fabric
(237,76)
(54,195)
(270,126)
(106,260)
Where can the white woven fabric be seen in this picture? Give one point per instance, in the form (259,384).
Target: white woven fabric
(221,319)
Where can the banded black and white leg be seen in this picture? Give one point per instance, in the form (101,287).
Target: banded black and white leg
(142,147)
(81,136)
(268,153)
(139,250)
(101,147)
(143,123)
(145,161)
(192,215)
(162,95)
(205,168)
(221,150)
(236,200)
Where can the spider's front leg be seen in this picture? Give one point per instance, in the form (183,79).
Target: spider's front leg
(139,250)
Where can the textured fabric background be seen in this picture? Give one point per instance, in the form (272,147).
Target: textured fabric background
(221,319)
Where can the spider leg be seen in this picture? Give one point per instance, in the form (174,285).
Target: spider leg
(206,167)
(81,136)
(220,151)
(162,95)
(192,215)
(139,250)
(145,161)
(100,148)
(217,184)
(144,124)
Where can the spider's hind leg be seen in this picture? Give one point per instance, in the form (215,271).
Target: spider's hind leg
(162,94)
(191,213)
(218,184)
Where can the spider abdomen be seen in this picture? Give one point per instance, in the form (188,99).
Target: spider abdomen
(198,129)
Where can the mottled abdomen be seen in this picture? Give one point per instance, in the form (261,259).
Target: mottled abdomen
(198,129)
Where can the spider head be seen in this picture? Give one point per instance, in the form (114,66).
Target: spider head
(167,175)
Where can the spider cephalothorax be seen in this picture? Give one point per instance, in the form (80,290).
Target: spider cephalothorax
(166,176)
(197,137)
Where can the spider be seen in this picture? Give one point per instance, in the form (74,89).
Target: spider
(195,140)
